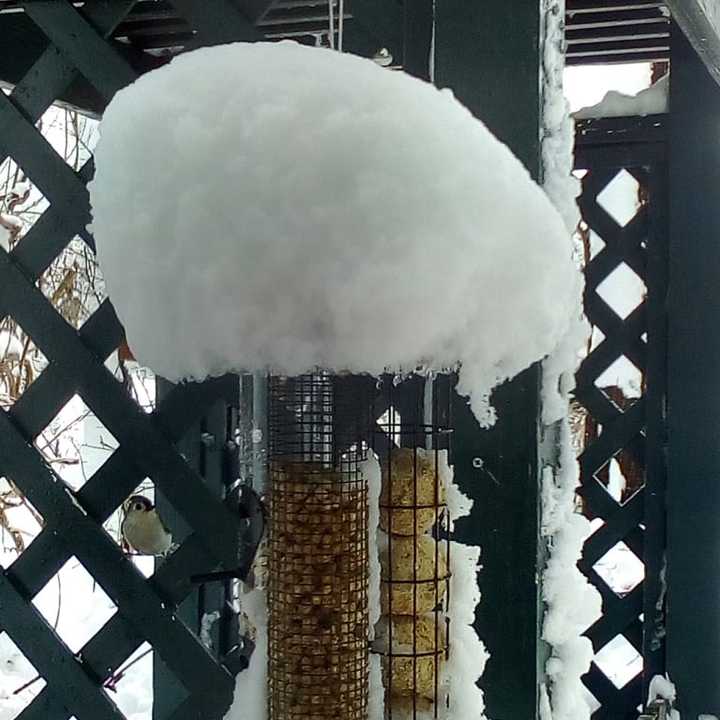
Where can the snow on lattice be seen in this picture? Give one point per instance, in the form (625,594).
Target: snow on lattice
(310,208)
(587,85)
(571,603)
(663,688)
(651,101)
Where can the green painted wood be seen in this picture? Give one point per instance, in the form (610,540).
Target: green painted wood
(702,29)
(655,499)
(81,45)
(120,415)
(693,495)
(217,22)
(105,562)
(52,175)
(604,147)
(51,658)
(419,22)
(496,74)
(376,24)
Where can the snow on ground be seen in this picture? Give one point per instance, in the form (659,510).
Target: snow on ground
(393,231)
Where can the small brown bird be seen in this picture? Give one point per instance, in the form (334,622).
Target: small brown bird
(143,529)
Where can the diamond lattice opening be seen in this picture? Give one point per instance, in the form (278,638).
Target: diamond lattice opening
(21,204)
(76,443)
(624,378)
(140,382)
(596,337)
(19,681)
(593,243)
(20,522)
(73,283)
(113,526)
(620,197)
(622,290)
(619,661)
(621,570)
(623,475)
(74,604)
(21,362)
(590,700)
(71,134)
(130,687)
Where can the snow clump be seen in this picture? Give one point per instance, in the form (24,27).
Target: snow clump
(270,205)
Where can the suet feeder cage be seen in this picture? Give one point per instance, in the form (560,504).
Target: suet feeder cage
(327,624)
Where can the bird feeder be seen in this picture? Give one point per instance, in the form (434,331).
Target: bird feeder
(322,629)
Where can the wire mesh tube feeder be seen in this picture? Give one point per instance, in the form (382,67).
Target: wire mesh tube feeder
(412,635)
(322,429)
(318,554)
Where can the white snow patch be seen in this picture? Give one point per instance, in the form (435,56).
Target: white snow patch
(712,11)
(250,701)
(206,624)
(651,101)
(468,655)
(310,209)
(376,691)
(572,604)
(661,687)
(563,188)
(586,85)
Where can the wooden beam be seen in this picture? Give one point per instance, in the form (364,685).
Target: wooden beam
(27,59)
(693,499)
(489,54)
(700,21)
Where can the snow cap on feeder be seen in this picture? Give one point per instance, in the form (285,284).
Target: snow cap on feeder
(270,205)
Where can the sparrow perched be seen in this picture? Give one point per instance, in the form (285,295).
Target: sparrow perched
(143,529)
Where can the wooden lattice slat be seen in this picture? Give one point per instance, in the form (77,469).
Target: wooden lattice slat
(604,148)
(147,610)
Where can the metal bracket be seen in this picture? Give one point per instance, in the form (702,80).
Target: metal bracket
(657,710)
(251,513)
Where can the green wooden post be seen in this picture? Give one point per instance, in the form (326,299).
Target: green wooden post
(490,55)
(693,491)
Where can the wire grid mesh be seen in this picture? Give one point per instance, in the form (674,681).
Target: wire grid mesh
(412,636)
(318,554)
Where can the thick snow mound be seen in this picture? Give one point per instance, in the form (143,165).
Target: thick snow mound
(650,101)
(274,205)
